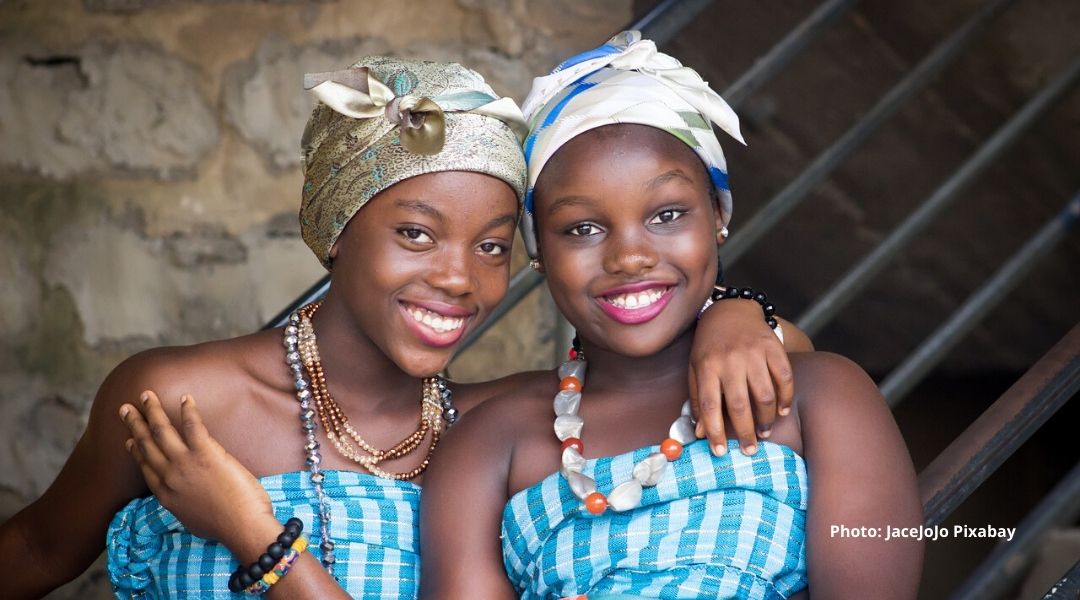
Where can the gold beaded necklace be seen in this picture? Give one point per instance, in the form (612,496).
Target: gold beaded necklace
(342,434)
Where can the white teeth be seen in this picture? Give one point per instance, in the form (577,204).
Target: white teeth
(636,300)
(433,320)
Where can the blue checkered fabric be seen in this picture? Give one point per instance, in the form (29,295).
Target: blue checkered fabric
(373,523)
(727,527)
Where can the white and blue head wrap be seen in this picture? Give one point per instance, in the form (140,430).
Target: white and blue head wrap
(624,81)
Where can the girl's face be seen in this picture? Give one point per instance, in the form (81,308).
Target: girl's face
(627,233)
(424,262)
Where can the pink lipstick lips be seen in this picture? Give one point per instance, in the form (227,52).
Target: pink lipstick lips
(635,303)
(437,324)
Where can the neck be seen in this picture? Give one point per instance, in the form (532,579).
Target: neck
(360,374)
(664,371)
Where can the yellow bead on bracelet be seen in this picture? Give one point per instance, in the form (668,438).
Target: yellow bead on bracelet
(280,569)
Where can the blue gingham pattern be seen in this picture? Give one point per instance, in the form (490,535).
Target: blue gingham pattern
(727,527)
(374,524)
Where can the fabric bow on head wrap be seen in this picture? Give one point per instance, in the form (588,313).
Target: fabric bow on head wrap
(384,120)
(624,81)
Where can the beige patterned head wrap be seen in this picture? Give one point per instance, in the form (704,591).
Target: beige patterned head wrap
(384,120)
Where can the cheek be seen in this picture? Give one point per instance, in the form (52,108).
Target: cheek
(492,282)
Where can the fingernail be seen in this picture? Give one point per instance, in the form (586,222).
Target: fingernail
(145,396)
(128,444)
(184,399)
(719,450)
(785,411)
(124,411)
(750,450)
(765,433)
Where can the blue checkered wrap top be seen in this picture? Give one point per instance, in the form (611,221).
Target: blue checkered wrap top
(727,527)
(374,524)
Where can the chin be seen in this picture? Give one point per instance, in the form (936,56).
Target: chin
(423,364)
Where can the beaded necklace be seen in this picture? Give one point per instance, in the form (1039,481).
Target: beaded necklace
(568,425)
(342,434)
(299,341)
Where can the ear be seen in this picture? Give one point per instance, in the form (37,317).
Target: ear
(721,230)
(718,218)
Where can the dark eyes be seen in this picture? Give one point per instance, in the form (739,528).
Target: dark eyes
(419,237)
(667,216)
(492,249)
(583,229)
(416,235)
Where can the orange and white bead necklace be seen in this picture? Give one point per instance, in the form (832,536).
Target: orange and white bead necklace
(568,425)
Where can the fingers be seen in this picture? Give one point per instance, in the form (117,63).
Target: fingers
(150,476)
(783,380)
(711,415)
(737,403)
(161,428)
(695,403)
(760,382)
(142,445)
(191,424)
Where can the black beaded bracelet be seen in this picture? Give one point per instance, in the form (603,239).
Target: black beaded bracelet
(746,293)
(720,292)
(243,578)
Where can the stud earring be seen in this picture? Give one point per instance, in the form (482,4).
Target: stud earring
(535,264)
(724,232)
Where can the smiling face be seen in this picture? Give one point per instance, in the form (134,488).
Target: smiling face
(424,262)
(627,233)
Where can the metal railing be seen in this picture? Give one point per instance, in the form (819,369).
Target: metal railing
(933,350)
(1068,587)
(1008,562)
(795,192)
(1001,429)
(833,301)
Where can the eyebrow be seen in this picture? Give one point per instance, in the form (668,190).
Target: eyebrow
(568,201)
(497,221)
(420,207)
(672,175)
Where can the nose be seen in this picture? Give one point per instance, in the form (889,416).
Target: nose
(451,272)
(630,253)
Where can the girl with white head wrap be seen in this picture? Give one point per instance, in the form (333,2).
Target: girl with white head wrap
(625,81)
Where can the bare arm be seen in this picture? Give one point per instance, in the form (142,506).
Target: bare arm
(212,494)
(861,476)
(56,537)
(464,495)
(738,365)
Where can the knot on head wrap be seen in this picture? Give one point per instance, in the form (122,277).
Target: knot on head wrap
(384,120)
(624,81)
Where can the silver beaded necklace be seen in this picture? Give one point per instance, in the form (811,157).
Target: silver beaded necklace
(311,445)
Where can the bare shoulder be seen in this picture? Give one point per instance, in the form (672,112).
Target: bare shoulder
(210,371)
(822,368)
(499,419)
(828,381)
(468,396)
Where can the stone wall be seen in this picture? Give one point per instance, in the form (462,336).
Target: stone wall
(149,181)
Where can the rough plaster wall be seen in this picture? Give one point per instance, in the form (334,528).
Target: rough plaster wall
(149,181)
